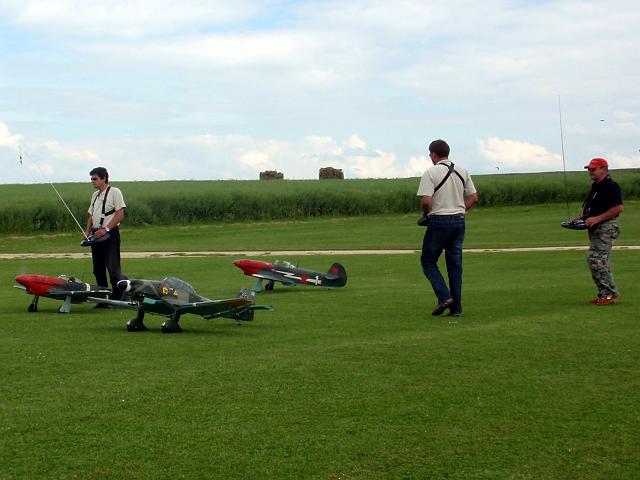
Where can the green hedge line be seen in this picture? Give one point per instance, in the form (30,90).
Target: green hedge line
(36,208)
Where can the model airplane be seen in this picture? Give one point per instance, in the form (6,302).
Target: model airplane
(69,289)
(173,297)
(288,274)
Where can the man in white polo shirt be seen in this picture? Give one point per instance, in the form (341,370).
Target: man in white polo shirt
(447,192)
(106,211)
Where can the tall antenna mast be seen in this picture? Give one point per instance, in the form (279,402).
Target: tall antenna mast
(564,165)
(57,192)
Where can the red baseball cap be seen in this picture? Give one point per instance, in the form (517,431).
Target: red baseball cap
(597,162)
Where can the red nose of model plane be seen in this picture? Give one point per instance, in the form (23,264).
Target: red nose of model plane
(251,267)
(38,284)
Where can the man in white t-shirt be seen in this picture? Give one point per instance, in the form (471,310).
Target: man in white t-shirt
(106,211)
(447,192)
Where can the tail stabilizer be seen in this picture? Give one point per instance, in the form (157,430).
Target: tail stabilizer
(246,313)
(336,275)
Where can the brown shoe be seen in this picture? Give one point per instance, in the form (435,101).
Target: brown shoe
(441,307)
(605,300)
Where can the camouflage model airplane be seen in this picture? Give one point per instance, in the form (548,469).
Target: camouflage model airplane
(172,297)
(288,274)
(69,289)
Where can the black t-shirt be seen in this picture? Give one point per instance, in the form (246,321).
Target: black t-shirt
(602,197)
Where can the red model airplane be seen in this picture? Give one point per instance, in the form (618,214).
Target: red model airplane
(69,289)
(288,274)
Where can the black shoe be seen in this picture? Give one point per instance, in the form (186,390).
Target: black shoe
(441,307)
(454,314)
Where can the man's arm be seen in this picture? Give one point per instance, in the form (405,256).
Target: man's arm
(87,230)
(470,200)
(426,203)
(117,218)
(612,212)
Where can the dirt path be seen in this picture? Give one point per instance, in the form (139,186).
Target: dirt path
(287,253)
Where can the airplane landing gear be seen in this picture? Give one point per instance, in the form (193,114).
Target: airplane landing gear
(171,324)
(269,285)
(66,306)
(137,324)
(33,306)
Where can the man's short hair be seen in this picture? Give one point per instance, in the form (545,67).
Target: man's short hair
(100,172)
(440,148)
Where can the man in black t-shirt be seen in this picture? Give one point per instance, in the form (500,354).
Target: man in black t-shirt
(600,212)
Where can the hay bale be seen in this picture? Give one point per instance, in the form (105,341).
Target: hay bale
(330,173)
(271,175)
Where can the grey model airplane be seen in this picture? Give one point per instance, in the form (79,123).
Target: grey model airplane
(173,297)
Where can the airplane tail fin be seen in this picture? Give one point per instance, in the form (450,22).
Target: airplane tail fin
(247,314)
(336,275)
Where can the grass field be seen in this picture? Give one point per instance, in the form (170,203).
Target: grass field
(356,383)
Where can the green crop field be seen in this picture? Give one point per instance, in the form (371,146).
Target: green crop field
(37,209)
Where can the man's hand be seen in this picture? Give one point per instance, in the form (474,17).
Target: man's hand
(591,221)
(101,232)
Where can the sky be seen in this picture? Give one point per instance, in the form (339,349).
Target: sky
(225,89)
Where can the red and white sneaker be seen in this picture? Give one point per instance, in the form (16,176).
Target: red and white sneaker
(608,300)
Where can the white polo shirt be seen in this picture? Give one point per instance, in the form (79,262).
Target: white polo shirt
(115,201)
(449,199)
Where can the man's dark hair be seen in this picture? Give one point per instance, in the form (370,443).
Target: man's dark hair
(100,172)
(440,148)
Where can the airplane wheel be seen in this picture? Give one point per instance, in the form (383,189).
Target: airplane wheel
(269,286)
(168,330)
(32,308)
(136,327)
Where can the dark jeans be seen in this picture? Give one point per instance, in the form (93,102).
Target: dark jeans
(445,232)
(106,257)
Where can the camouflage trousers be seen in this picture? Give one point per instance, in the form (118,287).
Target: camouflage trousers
(601,240)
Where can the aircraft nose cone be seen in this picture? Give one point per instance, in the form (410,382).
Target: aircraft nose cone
(124,285)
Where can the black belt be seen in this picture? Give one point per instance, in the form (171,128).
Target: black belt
(94,230)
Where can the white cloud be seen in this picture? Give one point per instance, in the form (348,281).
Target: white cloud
(621,161)
(514,155)
(208,50)
(125,18)
(8,140)
(622,116)
(216,157)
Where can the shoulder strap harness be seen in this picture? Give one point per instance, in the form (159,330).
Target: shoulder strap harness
(104,204)
(451,170)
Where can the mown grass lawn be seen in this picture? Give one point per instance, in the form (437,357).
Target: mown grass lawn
(356,383)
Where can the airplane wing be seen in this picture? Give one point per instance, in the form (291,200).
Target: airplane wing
(277,277)
(115,303)
(237,308)
(216,308)
(82,295)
